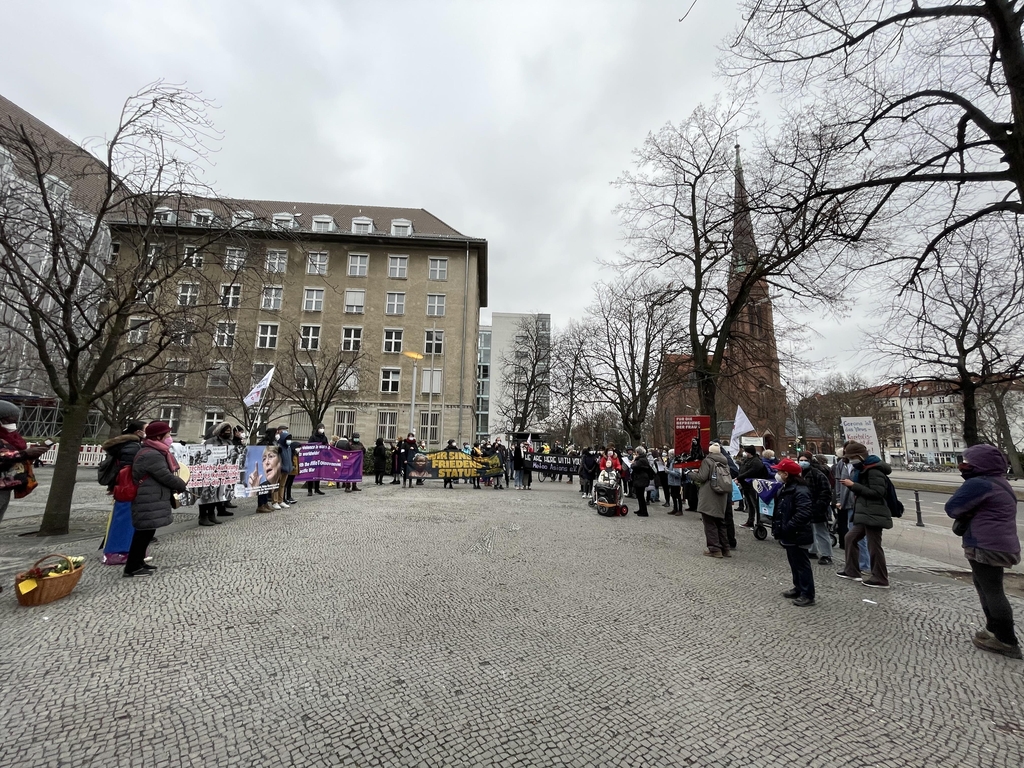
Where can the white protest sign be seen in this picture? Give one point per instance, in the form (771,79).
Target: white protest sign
(861,429)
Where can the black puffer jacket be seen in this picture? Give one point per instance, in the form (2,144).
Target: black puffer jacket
(791,523)
(641,474)
(821,493)
(152,505)
(123,448)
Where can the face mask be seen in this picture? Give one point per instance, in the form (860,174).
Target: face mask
(320,431)
(805,465)
(780,477)
(857,462)
(9,427)
(287,442)
(168,440)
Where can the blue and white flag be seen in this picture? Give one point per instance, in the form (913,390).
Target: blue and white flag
(766,489)
(257,392)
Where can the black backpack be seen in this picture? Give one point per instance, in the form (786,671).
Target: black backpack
(106,472)
(894,504)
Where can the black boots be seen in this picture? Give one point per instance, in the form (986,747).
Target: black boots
(204,517)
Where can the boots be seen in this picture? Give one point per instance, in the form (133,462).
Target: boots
(204,517)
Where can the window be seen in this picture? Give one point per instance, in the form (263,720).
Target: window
(395,304)
(361,225)
(277,261)
(172,415)
(401,227)
(920,414)
(913,429)
(387,424)
(355,301)
(435,305)
(272,295)
(176,373)
(323,224)
(358,263)
(203,218)
(351,339)
(225,336)
(313,300)
(434,343)
(392,340)
(234,259)
(316,263)
(115,251)
(942,399)
(430,422)
(266,336)
(935,443)
(934,429)
(398,266)
(390,378)
(344,422)
(188,294)
(182,335)
(192,256)
(164,216)
(220,376)
(915,443)
(231,296)
(283,221)
(438,269)
(259,370)
(945,443)
(956,443)
(138,330)
(305,377)
(145,293)
(430,381)
(212,417)
(944,427)
(911,414)
(309,337)
(942,413)
(243,219)
(920,401)
(931,414)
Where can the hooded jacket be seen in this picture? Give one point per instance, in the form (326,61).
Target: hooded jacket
(869,488)
(287,462)
(152,505)
(215,438)
(988,500)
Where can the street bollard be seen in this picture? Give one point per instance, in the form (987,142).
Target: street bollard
(917,503)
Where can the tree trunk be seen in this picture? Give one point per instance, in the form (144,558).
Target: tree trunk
(1007,435)
(707,395)
(970,394)
(57,515)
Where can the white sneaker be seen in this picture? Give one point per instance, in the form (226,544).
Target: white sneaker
(276,506)
(285,506)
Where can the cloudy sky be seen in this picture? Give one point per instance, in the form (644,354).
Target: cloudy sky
(507,120)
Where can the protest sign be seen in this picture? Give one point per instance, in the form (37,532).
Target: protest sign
(261,470)
(454,464)
(560,465)
(324,462)
(861,429)
(692,440)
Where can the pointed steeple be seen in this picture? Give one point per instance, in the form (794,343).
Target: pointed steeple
(744,247)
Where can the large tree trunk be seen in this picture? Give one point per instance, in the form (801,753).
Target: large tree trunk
(1006,434)
(970,394)
(57,515)
(707,396)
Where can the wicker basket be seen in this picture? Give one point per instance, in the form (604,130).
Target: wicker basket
(52,587)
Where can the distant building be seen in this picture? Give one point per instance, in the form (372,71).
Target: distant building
(509,334)
(919,422)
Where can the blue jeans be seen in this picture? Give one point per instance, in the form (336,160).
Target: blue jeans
(865,561)
(518,478)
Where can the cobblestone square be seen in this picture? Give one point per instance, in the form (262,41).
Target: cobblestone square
(427,627)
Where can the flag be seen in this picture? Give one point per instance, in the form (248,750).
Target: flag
(261,386)
(740,426)
(766,489)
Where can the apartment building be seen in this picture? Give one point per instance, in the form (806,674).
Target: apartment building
(920,422)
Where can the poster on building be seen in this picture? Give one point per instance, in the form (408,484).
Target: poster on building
(692,440)
(324,462)
(861,429)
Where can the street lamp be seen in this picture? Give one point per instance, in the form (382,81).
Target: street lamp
(416,357)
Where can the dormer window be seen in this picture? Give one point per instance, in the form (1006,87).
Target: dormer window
(6,163)
(284,221)
(203,218)
(362,225)
(401,227)
(243,219)
(323,224)
(164,216)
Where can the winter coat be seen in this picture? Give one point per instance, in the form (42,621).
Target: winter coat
(821,493)
(380,458)
(988,500)
(641,474)
(123,448)
(842,471)
(287,452)
(588,466)
(152,506)
(518,458)
(791,523)
(215,438)
(316,437)
(675,478)
(709,501)
(751,469)
(869,488)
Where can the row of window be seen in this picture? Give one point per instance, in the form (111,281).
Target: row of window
(430,379)
(931,414)
(361,225)
(935,443)
(941,428)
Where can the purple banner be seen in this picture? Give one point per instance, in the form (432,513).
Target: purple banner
(322,462)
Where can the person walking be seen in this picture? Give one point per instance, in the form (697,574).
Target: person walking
(712,503)
(751,468)
(319,436)
(380,461)
(792,527)
(821,502)
(871,515)
(984,509)
(643,475)
(153,471)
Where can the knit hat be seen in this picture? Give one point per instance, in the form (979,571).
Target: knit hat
(714,448)
(157,429)
(788,466)
(751,449)
(9,412)
(856,450)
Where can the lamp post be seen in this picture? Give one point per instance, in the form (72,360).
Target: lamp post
(416,357)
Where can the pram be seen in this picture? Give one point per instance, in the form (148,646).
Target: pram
(608,498)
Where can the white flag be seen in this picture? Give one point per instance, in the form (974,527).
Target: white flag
(257,392)
(740,426)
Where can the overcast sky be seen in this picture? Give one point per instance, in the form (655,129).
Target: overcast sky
(508,120)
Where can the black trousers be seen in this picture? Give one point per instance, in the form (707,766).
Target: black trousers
(988,580)
(803,574)
(288,486)
(730,526)
(663,484)
(137,549)
(690,494)
(750,501)
(677,499)
(378,478)
(641,500)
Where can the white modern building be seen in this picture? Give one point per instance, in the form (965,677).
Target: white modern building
(497,343)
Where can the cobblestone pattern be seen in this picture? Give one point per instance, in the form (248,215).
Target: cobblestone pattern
(485,628)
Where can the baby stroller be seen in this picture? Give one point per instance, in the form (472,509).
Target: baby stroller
(608,499)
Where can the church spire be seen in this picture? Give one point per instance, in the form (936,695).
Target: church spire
(744,248)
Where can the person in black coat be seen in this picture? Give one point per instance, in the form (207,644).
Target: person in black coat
(821,502)
(380,461)
(791,525)
(641,475)
(319,436)
(751,468)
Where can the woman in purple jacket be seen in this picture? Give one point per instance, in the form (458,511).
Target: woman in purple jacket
(985,511)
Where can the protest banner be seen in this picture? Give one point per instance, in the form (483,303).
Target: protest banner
(213,472)
(443,464)
(260,470)
(692,440)
(559,465)
(324,462)
(861,429)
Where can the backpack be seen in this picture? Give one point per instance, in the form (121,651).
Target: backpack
(894,504)
(106,472)
(126,489)
(721,480)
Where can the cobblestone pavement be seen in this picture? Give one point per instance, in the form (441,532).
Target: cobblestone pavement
(481,628)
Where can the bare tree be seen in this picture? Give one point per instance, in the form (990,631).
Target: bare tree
(99,310)
(525,397)
(570,377)
(1001,406)
(925,100)
(962,324)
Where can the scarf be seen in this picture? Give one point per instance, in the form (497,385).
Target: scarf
(165,449)
(13,439)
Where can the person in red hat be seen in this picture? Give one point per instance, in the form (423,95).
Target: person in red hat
(791,525)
